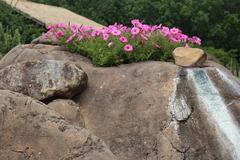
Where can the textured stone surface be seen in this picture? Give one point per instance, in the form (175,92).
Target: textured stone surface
(189,57)
(44,79)
(69,110)
(31,131)
(152,110)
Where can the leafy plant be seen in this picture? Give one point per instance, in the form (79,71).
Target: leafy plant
(8,40)
(118,44)
(15,24)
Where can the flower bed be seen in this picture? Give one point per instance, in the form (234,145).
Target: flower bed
(117,44)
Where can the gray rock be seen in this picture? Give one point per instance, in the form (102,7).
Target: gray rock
(32,131)
(69,110)
(44,79)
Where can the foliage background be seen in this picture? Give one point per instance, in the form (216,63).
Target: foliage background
(15,29)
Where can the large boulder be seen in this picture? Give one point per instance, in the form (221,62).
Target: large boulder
(44,79)
(155,110)
(32,131)
(69,110)
(189,57)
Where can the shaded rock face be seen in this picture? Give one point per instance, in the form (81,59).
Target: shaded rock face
(29,130)
(155,110)
(189,57)
(44,79)
(69,110)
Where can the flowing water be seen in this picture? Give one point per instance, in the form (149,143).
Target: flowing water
(228,130)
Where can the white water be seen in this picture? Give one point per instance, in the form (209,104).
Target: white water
(234,85)
(229,132)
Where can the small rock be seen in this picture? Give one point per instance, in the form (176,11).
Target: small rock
(189,57)
(45,79)
(69,110)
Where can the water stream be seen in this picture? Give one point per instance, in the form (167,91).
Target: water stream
(228,130)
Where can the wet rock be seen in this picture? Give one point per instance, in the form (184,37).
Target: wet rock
(29,130)
(69,110)
(189,57)
(44,79)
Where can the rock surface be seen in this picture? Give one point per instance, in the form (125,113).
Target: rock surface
(154,110)
(189,57)
(31,131)
(44,79)
(69,110)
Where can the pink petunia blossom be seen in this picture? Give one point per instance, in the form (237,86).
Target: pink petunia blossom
(61,25)
(123,39)
(128,48)
(136,22)
(59,34)
(116,32)
(165,31)
(135,31)
(74,28)
(105,36)
(195,39)
(175,30)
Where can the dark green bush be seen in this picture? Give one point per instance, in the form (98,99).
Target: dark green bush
(8,40)
(15,28)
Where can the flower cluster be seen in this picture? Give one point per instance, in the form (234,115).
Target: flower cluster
(139,31)
(141,40)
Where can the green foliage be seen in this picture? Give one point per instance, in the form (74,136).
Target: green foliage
(15,28)
(228,59)
(103,54)
(8,40)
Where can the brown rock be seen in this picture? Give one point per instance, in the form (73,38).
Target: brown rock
(189,57)
(69,110)
(44,79)
(152,110)
(29,130)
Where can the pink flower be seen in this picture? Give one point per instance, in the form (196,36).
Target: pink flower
(105,36)
(165,31)
(145,27)
(61,25)
(50,27)
(123,39)
(195,40)
(175,30)
(136,22)
(183,37)
(70,38)
(135,31)
(59,34)
(74,28)
(95,33)
(116,32)
(128,48)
